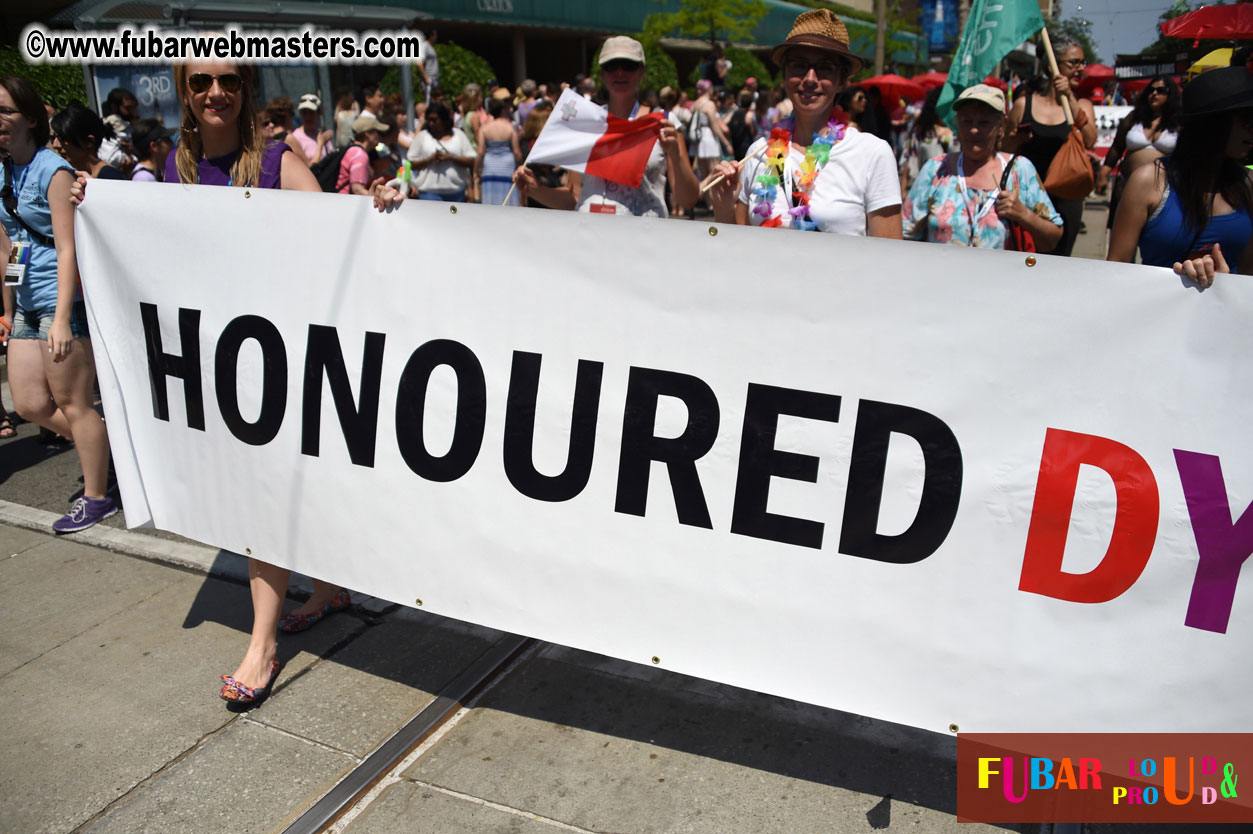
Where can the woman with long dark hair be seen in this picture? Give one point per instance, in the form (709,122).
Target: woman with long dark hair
(1147,133)
(1037,126)
(929,137)
(853,101)
(77,133)
(51,367)
(1191,210)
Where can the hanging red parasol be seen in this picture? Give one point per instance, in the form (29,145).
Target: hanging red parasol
(930,79)
(1099,72)
(993,81)
(892,87)
(1233,22)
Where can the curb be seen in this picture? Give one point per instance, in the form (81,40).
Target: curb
(197,558)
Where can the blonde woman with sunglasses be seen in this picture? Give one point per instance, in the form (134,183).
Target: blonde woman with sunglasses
(221,145)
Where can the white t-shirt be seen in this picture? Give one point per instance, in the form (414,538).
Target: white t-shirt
(445,176)
(860,177)
(430,61)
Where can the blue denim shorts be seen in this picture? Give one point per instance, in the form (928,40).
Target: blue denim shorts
(37,323)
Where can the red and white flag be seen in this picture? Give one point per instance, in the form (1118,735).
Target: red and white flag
(582,136)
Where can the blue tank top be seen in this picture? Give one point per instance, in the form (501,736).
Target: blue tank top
(1167,237)
(39,287)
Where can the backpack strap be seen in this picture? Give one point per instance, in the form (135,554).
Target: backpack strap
(10,205)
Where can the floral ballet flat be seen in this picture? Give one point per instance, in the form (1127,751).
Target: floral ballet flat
(237,693)
(294,623)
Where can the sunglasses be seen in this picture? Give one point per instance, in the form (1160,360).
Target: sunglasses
(202,82)
(621,65)
(1161,91)
(798,68)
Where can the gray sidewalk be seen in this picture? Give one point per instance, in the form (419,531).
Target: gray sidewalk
(110,721)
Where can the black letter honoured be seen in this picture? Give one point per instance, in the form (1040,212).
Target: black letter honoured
(941,484)
(759,461)
(640,446)
(467,436)
(273,379)
(520,430)
(186,367)
(358,420)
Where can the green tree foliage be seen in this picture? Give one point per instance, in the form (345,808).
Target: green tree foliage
(458,67)
(714,20)
(1080,30)
(58,84)
(744,65)
(659,68)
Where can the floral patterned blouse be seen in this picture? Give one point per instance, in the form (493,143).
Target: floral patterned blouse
(940,211)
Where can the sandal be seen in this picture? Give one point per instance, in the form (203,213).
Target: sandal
(6,428)
(296,623)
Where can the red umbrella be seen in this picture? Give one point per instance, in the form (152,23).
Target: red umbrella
(930,79)
(1233,22)
(893,87)
(993,81)
(1099,72)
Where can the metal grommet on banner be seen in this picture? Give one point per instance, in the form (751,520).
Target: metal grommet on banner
(248,551)
(419,602)
(1031,260)
(656,659)
(247,194)
(452,209)
(952,728)
(713,231)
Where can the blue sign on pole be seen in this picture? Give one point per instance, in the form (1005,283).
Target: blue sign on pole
(940,24)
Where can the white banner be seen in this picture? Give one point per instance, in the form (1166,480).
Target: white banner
(835,469)
(1107,120)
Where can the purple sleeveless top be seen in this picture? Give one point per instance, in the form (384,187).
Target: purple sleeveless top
(218,171)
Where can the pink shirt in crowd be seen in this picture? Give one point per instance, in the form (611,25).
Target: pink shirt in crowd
(354,167)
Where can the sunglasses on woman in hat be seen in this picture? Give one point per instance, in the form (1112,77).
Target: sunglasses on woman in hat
(813,173)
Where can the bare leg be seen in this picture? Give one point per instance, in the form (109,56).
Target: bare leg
(71,382)
(322,593)
(269,587)
(28,385)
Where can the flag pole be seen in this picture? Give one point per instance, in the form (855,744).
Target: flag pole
(514,184)
(721,177)
(1048,51)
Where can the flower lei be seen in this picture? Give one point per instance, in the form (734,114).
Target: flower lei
(768,181)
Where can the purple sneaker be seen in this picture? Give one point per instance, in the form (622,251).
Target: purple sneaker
(83,513)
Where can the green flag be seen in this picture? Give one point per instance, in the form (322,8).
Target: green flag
(993,28)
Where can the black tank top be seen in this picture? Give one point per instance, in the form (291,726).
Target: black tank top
(1045,141)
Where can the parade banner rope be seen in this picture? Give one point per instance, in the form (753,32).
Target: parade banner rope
(943,487)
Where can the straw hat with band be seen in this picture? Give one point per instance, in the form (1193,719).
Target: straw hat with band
(820,29)
(1217,91)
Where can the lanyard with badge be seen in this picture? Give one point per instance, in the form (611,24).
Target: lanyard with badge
(988,204)
(20,251)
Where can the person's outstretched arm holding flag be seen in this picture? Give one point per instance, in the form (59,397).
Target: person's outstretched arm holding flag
(615,163)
